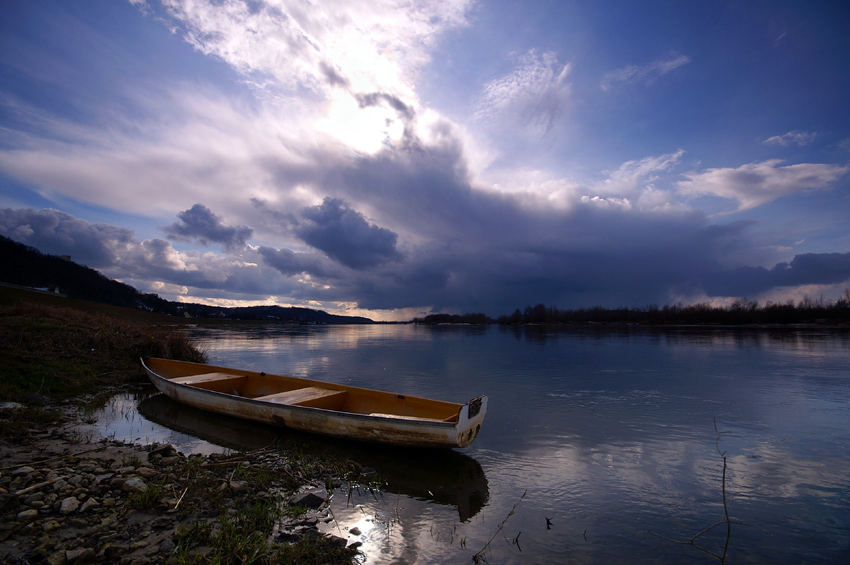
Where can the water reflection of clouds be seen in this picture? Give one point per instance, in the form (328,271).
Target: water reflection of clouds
(612,432)
(296,350)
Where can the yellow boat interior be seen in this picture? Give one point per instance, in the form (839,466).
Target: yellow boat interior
(304,392)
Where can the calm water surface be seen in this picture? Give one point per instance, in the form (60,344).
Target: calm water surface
(610,435)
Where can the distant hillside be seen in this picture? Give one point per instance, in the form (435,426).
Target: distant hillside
(25,266)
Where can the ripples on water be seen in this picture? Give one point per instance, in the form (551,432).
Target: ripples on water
(610,433)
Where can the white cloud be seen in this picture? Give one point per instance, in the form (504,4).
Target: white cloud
(792,138)
(199,147)
(531,98)
(644,73)
(755,184)
(374,45)
(632,176)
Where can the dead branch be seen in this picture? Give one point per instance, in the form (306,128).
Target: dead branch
(726,519)
(479,557)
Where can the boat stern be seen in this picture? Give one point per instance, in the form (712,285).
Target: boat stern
(470,419)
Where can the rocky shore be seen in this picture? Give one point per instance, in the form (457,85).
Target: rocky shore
(65,501)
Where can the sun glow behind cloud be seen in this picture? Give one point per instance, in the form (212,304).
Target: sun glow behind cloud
(364,130)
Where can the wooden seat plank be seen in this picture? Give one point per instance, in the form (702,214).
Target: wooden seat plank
(206,378)
(301,396)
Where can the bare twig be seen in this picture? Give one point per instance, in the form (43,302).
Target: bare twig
(179,500)
(726,520)
(479,557)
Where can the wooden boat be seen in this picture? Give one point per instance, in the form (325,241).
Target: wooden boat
(319,407)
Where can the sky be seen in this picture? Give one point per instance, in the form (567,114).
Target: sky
(398,158)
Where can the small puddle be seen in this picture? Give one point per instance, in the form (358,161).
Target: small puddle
(122,418)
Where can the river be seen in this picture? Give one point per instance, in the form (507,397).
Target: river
(598,444)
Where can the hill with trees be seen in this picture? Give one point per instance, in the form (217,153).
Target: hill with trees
(27,267)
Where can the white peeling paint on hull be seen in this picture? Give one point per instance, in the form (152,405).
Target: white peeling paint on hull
(389,429)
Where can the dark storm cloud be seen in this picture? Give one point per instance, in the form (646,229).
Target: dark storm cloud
(57,233)
(810,268)
(345,235)
(201,224)
(494,252)
(289,263)
(118,254)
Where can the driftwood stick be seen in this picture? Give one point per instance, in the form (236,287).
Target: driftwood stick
(39,485)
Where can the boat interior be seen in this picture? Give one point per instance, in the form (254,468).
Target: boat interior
(313,394)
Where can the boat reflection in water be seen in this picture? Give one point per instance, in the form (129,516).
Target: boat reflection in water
(441,476)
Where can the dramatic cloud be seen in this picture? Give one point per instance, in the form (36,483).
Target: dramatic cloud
(644,73)
(201,224)
(335,43)
(807,269)
(117,253)
(755,184)
(392,155)
(345,235)
(59,233)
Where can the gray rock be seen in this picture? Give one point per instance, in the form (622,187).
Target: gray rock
(239,486)
(309,499)
(146,472)
(80,555)
(28,515)
(10,405)
(22,471)
(163,451)
(167,546)
(90,503)
(113,551)
(51,526)
(355,531)
(135,484)
(69,505)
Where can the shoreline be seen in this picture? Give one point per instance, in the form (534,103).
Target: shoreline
(63,500)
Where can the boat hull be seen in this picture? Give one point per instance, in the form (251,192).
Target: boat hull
(395,427)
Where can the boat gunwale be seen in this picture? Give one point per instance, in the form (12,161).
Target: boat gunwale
(396,419)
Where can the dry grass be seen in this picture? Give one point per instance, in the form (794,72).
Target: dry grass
(59,352)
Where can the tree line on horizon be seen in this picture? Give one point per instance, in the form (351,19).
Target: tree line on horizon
(740,312)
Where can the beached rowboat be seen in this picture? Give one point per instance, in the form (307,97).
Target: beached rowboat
(319,407)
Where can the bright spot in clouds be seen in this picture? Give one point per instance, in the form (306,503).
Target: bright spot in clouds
(365,130)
